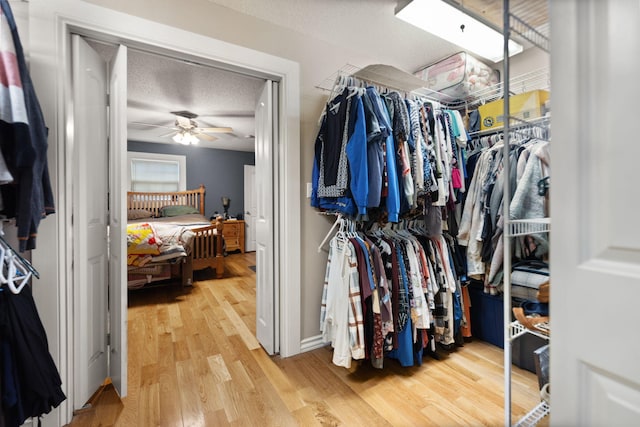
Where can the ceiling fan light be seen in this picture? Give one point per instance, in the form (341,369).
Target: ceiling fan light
(178,137)
(194,139)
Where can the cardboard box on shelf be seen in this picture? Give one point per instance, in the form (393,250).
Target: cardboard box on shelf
(525,106)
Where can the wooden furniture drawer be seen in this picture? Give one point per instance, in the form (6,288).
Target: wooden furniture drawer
(233,233)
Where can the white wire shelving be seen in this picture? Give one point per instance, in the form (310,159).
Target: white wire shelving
(396,79)
(529,20)
(518,330)
(522,227)
(534,416)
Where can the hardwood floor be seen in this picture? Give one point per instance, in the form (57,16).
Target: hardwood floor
(194,361)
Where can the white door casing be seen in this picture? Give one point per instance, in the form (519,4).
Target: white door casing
(90,252)
(118,220)
(595,239)
(265,295)
(51,23)
(250,202)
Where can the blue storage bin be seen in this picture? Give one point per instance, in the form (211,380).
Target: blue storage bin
(486,315)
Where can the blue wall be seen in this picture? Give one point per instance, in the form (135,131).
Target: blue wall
(221,172)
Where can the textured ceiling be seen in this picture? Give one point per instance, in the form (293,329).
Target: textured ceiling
(159,85)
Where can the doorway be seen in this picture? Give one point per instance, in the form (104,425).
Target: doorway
(89,93)
(54,59)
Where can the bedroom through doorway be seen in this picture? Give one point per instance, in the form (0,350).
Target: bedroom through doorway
(237,117)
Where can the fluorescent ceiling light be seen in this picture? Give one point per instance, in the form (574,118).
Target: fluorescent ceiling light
(445,21)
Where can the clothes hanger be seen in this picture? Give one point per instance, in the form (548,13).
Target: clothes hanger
(3,277)
(335,224)
(25,263)
(17,275)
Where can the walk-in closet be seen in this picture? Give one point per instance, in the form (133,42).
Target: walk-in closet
(440,210)
(423,192)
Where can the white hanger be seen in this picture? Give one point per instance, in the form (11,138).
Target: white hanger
(14,267)
(336,223)
(18,270)
(3,279)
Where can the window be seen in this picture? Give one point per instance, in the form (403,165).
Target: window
(156,172)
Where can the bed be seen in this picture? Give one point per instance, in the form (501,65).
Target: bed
(168,236)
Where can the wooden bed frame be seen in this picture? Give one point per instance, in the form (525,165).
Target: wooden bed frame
(207,251)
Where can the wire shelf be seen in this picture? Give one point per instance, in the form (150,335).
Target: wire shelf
(344,71)
(518,330)
(529,33)
(539,79)
(535,415)
(522,227)
(529,19)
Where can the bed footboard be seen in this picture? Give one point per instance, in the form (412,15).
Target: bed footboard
(207,248)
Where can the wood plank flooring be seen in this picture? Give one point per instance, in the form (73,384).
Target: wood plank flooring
(194,361)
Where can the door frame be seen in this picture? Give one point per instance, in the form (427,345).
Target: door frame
(51,24)
(249,207)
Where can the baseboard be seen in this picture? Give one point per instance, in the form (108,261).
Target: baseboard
(312,343)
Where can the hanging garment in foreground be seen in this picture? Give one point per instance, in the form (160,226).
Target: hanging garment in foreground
(31,384)
(23,139)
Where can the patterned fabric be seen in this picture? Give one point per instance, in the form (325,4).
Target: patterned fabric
(333,137)
(404,306)
(341,318)
(356,318)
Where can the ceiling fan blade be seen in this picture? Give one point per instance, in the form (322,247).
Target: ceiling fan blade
(216,130)
(205,136)
(150,125)
(164,135)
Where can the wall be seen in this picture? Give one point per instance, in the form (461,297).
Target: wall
(221,171)
(319,56)
(319,59)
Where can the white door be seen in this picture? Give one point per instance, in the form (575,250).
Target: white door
(595,239)
(250,202)
(118,220)
(90,221)
(97,282)
(264,219)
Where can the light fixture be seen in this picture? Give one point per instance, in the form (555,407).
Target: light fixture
(185,138)
(178,137)
(226,202)
(450,23)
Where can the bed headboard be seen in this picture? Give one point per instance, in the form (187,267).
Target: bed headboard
(154,201)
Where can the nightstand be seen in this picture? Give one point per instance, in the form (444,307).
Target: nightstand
(233,233)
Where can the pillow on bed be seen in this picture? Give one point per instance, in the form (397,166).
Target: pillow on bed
(139,214)
(178,210)
(142,240)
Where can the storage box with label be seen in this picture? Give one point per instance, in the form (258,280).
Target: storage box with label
(458,76)
(525,106)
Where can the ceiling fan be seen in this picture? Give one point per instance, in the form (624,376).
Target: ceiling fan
(186,130)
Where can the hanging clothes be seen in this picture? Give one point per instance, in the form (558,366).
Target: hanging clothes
(23,138)
(482,223)
(31,385)
(376,154)
(388,293)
